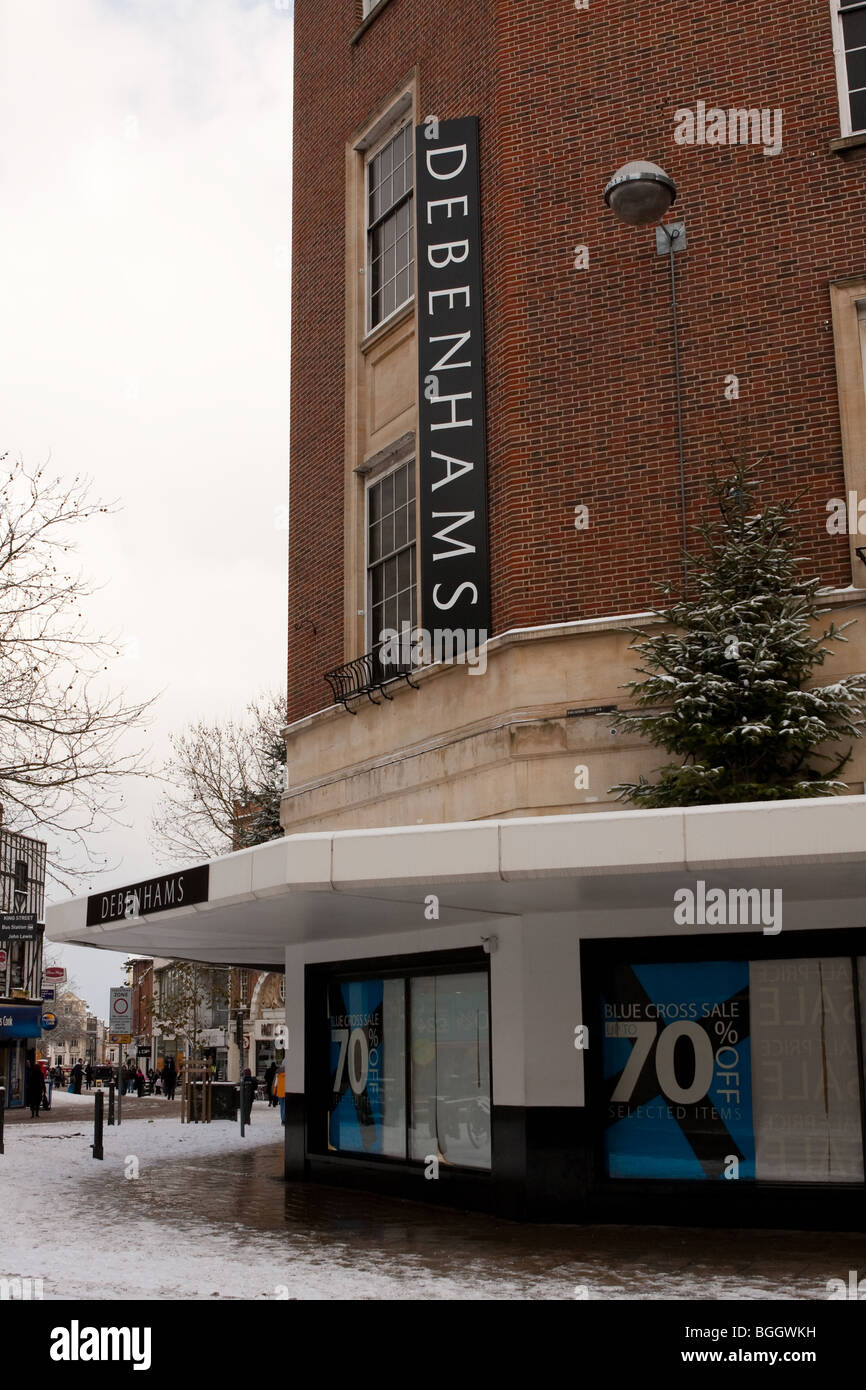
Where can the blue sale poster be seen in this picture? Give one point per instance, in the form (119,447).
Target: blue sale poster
(676,1058)
(356,1061)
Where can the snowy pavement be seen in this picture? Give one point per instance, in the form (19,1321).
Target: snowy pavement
(196,1212)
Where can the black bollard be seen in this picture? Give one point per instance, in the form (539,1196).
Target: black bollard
(111,1101)
(97,1125)
(2,1115)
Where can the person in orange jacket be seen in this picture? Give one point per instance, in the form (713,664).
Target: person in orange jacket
(280,1090)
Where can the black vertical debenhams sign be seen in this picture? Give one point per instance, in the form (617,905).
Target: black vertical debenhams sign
(455,579)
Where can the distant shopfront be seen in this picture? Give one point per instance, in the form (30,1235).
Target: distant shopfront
(19,1028)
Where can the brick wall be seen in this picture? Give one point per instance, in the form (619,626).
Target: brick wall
(580,390)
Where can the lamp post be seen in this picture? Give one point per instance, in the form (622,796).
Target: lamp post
(640,193)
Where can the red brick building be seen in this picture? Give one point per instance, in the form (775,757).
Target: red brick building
(579,371)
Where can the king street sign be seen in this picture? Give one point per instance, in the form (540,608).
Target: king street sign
(18,926)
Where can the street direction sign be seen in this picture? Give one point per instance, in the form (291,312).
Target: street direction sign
(18,926)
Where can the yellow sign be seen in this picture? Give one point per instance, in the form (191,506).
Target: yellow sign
(120,1037)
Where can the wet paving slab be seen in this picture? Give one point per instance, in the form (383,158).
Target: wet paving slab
(76,1108)
(245,1194)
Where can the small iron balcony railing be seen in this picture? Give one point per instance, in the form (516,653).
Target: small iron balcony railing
(365,675)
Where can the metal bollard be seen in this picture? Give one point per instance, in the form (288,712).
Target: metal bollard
(111,1101)
(2,1115)
(97,1126)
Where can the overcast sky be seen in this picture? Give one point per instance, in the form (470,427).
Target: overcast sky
(145,184)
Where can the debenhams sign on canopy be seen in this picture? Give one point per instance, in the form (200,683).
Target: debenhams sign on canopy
(152,895)
(455,585)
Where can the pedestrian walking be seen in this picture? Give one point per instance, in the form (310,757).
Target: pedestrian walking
(34,1089)
(169,1078)
(280,1091)
(77,1077)
(270,1076)
(139,1083)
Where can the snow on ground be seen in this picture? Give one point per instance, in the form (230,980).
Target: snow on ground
(68,1221)
(196,1212)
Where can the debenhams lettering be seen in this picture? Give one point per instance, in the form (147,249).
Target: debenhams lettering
(453,500)
(153,895)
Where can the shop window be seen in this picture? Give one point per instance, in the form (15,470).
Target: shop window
(734,1069)
(450,1069)
(805,1088)
(439,1105)
(368,1067)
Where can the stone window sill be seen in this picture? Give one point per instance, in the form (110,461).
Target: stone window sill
(368,20)
(847,142)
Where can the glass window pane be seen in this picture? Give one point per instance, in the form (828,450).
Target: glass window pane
(400,537)
(389,263)
(376,585)
(858,110)
(387,494)
(375,505)
(450,1069)
(389,571)
(404,570)
(856,63)
(399,487)
(854,28)
(405,615)
(804,1058)
(398,181)
(422,1068)
(388,534)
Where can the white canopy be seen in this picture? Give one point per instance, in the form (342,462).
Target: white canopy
(617,871)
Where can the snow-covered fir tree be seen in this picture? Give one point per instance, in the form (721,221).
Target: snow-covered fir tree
(724,686)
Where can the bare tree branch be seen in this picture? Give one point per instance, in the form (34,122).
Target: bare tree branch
(62,730)
(224,781)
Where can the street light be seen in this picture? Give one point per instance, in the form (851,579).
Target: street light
(638,194)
